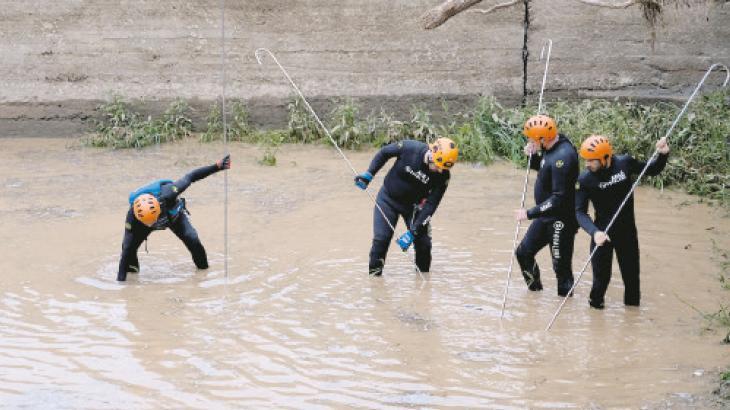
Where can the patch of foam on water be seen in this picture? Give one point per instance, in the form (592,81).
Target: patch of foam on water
(335,262)
(99,283)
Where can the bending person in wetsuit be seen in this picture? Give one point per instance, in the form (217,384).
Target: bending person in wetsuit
(157,206)
(413,189)
(606,182)
(553,216)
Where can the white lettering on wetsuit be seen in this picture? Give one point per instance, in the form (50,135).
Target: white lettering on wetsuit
(557,228)
(615,179)
(419,175)
(547,205)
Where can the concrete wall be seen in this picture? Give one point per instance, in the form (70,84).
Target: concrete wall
(601,52)
(61,58)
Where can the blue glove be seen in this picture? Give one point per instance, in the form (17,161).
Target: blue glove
(363,180)
(405,241)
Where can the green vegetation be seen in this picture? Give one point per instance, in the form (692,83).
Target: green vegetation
(237,124)
(700,160)
(119,127)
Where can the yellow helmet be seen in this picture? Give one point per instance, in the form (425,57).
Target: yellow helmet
(597,147)
(146,209)
(444,153)
(540,127)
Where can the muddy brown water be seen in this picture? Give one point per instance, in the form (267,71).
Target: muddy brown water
(298,323)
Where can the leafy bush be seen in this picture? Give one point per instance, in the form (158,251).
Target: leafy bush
(699,163)
(237,124)
(119,127)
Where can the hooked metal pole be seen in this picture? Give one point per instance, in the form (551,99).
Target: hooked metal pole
(636,183)
(327,132)
(527,176)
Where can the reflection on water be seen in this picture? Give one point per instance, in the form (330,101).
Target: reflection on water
(297,322)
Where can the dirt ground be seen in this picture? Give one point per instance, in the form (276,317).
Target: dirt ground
(297,322)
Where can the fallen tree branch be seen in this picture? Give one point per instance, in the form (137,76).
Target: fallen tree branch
(439,14)
(600,3)
(449,8)
(494,8)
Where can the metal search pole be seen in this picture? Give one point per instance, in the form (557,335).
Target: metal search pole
(527,176)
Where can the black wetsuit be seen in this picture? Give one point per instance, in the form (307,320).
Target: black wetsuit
(173,215)
(553,217)
(406,185)
(607,188)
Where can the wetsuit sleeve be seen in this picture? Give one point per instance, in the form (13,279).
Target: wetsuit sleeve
(582,196)
(655,167)
(387,152)
(183,183)
(535,161)
(429,207)
(560,182)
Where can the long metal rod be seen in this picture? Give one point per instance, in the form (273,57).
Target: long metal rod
(524,186)
(544,74)
(327,132)
(225,137)
(636,183)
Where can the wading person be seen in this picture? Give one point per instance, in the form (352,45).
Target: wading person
(605,183)
(157,206)
(412,189)
(553,217)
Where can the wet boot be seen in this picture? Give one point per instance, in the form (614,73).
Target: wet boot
(529,268)
(632,297)
(596,304)
(376,267)
(532,279)
(564,286)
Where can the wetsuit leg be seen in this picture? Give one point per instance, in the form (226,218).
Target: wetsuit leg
(382,233)
(536,238)
(562,239)
(421,243)
(601,264)
(135,233)
(184,230)
(627,254)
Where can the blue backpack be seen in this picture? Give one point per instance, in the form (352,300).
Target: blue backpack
(153,188)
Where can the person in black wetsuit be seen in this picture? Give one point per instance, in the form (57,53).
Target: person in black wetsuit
(553,216)
(413,189)
(157,206)
(605,183)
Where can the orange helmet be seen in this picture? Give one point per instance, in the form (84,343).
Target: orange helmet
(540,127)
(597,147)
(146,209)
(444,153)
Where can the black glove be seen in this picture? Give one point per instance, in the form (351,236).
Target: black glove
(224,163)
